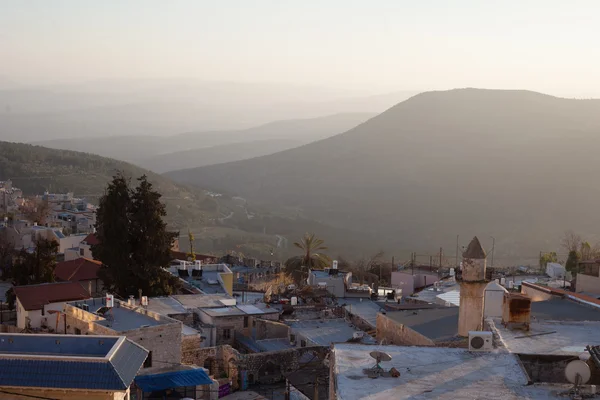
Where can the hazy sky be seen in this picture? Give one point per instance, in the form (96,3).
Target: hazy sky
(546,45)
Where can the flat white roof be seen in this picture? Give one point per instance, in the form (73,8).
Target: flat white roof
(550,337)
(433,373)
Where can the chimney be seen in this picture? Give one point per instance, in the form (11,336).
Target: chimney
(472,280)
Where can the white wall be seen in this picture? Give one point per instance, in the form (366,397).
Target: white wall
(404,281)
(69,242)
(36,317)
(494,297)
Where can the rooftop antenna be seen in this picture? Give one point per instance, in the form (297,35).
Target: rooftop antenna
(377,371)
(578,373)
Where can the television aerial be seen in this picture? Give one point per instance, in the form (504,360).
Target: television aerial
(379,357)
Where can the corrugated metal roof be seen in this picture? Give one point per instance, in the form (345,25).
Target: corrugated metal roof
(167,380)
(250,309)
(71,371)
(452,297)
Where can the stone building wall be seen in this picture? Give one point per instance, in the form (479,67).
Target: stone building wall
(394,333)
(266,329)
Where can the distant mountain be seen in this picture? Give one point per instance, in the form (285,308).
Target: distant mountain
(517,165)
(165,107)
(220,223)
(36,169)
(156,153)
(216,154)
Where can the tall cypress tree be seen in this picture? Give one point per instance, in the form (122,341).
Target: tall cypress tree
(134,244)
(150,240)
(112,230)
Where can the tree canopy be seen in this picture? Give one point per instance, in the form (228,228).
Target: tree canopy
(311,257)
(134,243)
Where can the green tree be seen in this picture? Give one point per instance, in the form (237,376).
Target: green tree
(311,258)
(191,255)
(151,242)
(34,267)
(134,244)
(572,261)
(546,258)
(112,231)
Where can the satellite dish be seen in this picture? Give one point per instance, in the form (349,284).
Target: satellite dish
(380,356)
(578,372)
(376,370)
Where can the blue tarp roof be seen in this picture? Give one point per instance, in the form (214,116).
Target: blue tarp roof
(175,379)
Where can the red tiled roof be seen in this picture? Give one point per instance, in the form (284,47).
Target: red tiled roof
(561,292)
(80,269)
(33,297)
(182,255)
(91,239)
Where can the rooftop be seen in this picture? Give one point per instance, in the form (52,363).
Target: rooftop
(80,269)
(432,373)
(91,239)
(365,309)
(166,306)
(69,361)
(327,331)
(204,300)
(435,324)
(121,318)
(246,309)
(549,337)
(325,274)
(34,297)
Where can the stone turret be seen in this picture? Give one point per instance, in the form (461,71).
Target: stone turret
(472,280)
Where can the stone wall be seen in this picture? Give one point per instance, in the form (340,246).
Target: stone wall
(265,367)
(164,341)
(271,330)
(394,333)
(189,347)
(233,324)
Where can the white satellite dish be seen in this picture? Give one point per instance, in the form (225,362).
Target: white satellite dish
(376,370)
(578,372)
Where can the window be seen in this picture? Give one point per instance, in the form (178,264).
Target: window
(77,331)
(81,252)
(303,343)
(292,338)
(245,322)
(148,362)
(227,333)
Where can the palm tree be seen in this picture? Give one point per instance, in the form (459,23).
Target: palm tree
(310,258)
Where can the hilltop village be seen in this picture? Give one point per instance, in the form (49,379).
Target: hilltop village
(242,328)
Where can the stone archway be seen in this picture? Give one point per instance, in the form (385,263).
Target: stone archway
(210,364)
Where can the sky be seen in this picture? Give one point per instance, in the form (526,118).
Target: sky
(376,45)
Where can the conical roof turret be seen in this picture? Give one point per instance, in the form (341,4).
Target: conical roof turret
(475,250)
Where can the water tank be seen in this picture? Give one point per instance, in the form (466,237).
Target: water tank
(452,272)
(494,298)
(503,281)
(511,284)
(110,300)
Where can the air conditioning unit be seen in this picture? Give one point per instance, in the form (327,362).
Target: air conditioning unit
(481,341)
(85,307)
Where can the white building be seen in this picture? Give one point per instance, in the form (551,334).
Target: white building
(39,306)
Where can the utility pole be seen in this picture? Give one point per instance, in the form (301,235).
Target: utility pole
(493,247)
(456,251)
(441,252)
(393,263)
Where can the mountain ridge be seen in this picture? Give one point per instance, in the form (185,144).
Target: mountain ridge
(437,158)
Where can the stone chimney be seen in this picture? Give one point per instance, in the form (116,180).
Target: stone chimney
(472,280)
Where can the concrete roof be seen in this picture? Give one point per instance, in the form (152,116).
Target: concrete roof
(121,318)
(274,344)
(435,323)
(559,309)
(365,309)
(223,312)
(166,306)
(326,331)
(432,373)
(202,300)
(567,337)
